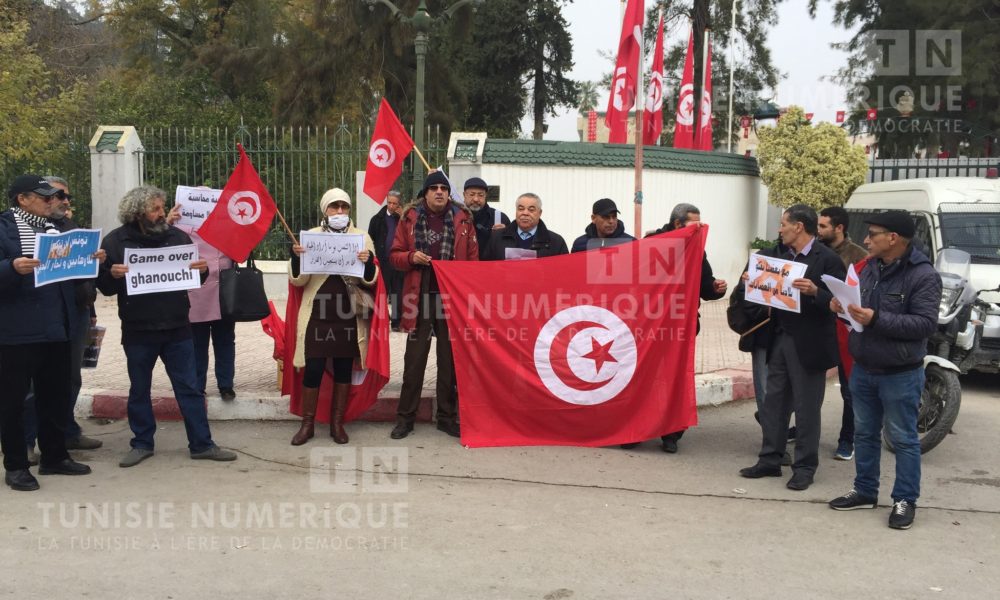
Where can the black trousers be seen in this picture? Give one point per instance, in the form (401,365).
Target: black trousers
(47,366)
(418,347)
(791,388)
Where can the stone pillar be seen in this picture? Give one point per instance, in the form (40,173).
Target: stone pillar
(115,168)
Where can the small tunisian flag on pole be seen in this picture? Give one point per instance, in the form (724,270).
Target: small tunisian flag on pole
(243,215)
(653,122)
(626,76)
(703,135)
(684,128)
(587,349)
(389,147)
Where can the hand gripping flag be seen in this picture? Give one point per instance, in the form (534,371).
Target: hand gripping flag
(242,216)
(626,75)
(365,383)
(684,128)
(652,123)
(389,147)
(588,349)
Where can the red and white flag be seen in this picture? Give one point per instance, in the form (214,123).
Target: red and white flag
(243,214)
(587,349)
(684,128)
(703,134)
(841,115)
(652,122)
(389,147)
(626,75)
(872,114)
(365,384)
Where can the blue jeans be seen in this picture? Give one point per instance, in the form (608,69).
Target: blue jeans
(178,359)
(895,400)
(223,336)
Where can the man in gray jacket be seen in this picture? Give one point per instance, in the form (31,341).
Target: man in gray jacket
(900,294)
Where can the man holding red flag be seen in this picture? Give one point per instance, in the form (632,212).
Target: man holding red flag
(243,215)
(389,147)
(652,124)
(626,75)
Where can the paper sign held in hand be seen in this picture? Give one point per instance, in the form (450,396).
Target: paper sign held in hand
(770,280)
(332,253)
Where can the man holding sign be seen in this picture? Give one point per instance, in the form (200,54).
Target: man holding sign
(803,348)
(144,256)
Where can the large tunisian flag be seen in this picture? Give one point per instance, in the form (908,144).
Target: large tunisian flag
(243,215)
(625,82)
(389,147)
(587,349)
(365,384)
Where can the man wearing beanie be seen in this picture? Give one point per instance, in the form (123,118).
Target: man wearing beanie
(483,216)
(900,295)
(434,228)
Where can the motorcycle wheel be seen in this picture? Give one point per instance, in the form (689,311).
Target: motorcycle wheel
(939,403)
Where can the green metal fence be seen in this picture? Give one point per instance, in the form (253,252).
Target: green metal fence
(296,164)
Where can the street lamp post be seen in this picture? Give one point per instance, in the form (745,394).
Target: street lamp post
(421,22)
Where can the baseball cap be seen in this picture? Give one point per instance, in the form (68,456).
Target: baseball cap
(896,221)
(604,207)
(24,184)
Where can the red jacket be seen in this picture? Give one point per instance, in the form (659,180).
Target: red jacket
(403,247)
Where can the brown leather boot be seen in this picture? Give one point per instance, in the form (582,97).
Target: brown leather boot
(305,432)
(341,391)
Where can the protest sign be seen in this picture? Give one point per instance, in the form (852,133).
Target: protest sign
(152,270)
(332,253)
(769,282)
(68,255)
(846,292)
(196,204)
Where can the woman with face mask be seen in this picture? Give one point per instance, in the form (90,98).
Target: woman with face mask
(334,319)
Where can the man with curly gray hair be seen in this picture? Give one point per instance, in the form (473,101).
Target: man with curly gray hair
(155,326)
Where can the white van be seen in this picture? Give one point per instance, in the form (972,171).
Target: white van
(949,212)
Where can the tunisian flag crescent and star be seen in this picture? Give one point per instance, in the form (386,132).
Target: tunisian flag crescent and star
(587,349)
(243,214)
(389,147)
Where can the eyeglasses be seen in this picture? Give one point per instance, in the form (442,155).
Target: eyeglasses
(63,196)
(872,234)
(438,187)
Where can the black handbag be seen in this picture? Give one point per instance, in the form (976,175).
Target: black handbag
(241,293)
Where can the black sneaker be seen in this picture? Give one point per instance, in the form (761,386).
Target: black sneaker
(227,394)
(852,500)
(902,514)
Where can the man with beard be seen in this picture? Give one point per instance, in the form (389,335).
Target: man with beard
(155,326)
(604,230)
(483,216)
(382,231)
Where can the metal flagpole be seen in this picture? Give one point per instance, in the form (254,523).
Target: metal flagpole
(640,105)
(732,68)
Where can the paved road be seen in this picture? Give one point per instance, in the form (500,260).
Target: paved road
(541,523)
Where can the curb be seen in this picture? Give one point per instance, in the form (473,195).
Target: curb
(712,389)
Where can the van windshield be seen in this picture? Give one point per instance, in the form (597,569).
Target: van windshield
(976,233)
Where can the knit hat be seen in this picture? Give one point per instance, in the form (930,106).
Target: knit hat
(435,178)
(331,196)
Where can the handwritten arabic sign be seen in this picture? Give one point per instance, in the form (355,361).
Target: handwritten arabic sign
(68,255)
(332,253)
(196,204)
(770,282)
(152,270)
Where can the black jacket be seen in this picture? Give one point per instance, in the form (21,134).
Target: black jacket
(751,313)
(590,233)
(29,314)
(706,285)
(906,295)
(545,242)
(483,219)
(377,231)
(145,312)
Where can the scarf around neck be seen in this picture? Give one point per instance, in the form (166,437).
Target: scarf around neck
(422,238)
(27,226)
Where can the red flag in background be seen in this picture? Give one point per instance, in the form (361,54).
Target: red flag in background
(243,215)
(365,384)
(703,134)
(840,116)
(684,128)
(626,75)
(389,147)
(652,122)
(588,349)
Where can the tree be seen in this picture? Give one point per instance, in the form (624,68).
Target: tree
(800,163)
(551,48)
(587,99)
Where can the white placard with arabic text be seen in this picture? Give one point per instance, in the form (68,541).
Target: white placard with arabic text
(770,280)
(332,253)
(196,204)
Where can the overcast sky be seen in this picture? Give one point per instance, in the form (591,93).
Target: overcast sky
(800,48)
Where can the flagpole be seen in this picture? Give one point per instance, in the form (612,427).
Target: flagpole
(732,67)
(704,67)
(288,229)
(639,108)
(422,159)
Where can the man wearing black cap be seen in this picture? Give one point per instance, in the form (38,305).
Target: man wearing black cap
(434,228)
(34,339)
(483,216)
(900,295)
(604,230)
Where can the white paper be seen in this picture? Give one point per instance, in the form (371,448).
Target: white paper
(847,295)
(770,282)
(496,216)
(152,270)
(519,254)
(332,253)
(196,204)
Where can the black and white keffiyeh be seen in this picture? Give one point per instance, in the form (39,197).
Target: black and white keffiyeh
(27,226)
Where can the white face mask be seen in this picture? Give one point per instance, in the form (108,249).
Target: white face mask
(338,221)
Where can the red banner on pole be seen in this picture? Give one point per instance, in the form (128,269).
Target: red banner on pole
(653,123)
(626,75)
(684,128)
(389,147)
(589,349)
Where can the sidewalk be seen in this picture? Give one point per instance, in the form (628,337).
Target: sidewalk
(723,373)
